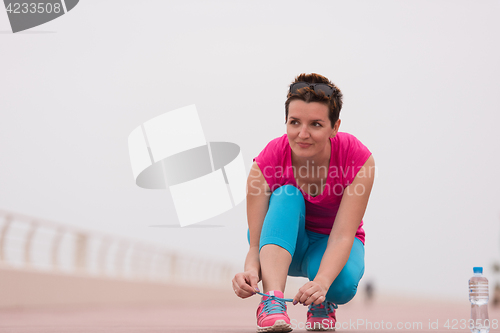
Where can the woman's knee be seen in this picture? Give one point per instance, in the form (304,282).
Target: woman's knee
(286,202)
(288,193)
(345,286)
(343,292)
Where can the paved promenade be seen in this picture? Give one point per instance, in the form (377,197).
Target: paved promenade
(223,312)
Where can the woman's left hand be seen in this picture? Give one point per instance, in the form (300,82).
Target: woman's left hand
(311,292)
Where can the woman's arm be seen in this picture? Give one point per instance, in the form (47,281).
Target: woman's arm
(258,194)
(349,216)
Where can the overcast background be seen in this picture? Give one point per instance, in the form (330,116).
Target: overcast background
(421,91)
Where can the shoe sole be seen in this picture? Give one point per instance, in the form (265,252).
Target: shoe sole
(279,326)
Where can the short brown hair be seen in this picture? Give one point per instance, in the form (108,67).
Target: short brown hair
(308,95)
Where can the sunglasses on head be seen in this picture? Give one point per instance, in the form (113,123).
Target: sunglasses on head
(323,87)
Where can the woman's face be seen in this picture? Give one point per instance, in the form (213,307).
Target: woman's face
(309,129)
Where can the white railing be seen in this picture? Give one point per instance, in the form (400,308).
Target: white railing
(33,243)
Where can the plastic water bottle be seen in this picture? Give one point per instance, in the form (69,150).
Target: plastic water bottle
(478,296)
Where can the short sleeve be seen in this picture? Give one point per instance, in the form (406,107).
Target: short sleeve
(271,161)
(356,154)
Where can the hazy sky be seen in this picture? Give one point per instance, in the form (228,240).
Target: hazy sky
(421,90)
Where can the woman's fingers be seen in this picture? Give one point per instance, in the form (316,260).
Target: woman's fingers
(302,295)
(247,284)
(319,299)
(315,297)
(241,285)
(296,299)
(309,293)
(254,280)
(305,297)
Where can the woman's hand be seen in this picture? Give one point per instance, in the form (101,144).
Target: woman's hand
(311,292)
(245,284)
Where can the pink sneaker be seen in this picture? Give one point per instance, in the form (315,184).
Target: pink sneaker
(271,313)
(321,317)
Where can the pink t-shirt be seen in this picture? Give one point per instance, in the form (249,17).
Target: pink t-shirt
(347,157)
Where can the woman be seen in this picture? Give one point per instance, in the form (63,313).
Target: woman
(307,194)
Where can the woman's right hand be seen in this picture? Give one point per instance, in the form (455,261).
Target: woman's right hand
(245,284)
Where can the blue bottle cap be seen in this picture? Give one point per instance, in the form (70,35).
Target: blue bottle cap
(478,270)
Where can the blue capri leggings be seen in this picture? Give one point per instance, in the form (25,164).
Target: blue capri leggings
(284,226)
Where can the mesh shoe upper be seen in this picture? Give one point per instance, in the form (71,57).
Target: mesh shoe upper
(321,317)
(272,309)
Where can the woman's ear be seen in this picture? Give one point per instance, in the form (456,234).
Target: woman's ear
(335,128)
